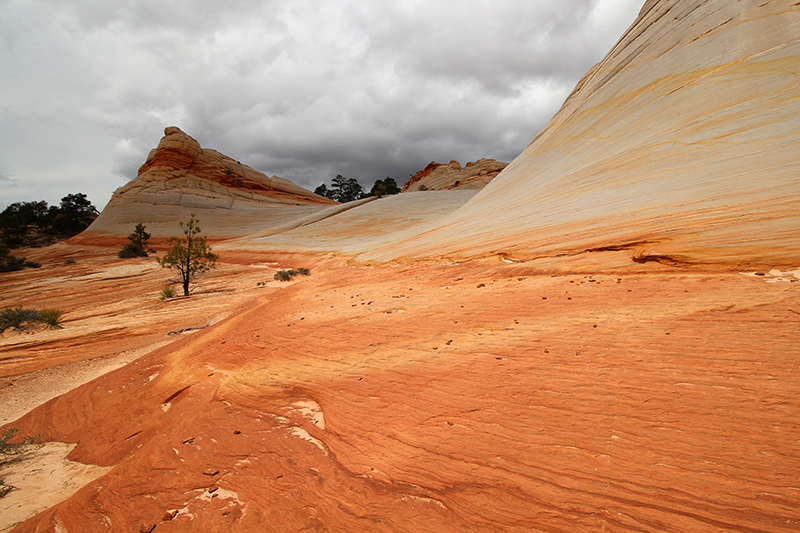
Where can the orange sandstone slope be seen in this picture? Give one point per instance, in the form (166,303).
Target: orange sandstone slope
(461,398)
(487,396)
(179,178)
(680,146)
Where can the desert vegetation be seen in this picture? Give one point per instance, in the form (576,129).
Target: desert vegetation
(167,292)
(36,224)
(22,319)
(12,263)
(348,189)
(287,275)
(137,247)
(190,255)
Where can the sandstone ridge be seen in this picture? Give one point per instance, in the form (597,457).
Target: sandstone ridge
(680,147)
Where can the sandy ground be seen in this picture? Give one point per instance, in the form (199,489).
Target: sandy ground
(44,477)
(20,394)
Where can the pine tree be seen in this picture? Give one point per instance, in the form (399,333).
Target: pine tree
(190,255)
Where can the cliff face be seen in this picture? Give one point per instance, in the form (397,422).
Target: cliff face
(680,146)
(438,177)
(180,177)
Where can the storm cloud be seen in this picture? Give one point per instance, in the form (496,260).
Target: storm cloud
(305,90)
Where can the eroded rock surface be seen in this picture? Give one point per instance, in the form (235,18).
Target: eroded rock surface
(439,177)
(179,178)
(680,146)
(575,375)
(463,398)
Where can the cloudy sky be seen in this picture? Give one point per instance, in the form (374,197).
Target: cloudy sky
(299,88)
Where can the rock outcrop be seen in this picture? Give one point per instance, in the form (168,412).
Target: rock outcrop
(588,382)
(439,177)
(679,147)
(180,177)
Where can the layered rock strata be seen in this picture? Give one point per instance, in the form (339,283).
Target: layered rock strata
(179,177)
(680,146)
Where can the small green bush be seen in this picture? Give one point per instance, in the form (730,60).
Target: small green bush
(423,187)
(132,250)
(12,264)
(51,317)
(15,448)
(284,275)
(167,293)
(21,319)
(287,275)
(18,318)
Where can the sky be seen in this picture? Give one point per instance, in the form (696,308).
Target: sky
(301,89)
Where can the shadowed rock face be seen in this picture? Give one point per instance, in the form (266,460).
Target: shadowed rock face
(437,177)
(680,146)
(179,178)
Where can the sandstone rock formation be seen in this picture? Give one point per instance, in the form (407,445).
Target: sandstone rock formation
(588,381)
(680,147)
(180,177)
(438,177)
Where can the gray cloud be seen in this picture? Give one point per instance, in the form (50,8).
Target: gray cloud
(305,90)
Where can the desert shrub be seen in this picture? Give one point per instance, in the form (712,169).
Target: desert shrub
(18,318)
(12,264)
(32,264)
(69,262)
(287,275)
(51,317)
(423,187)
(132,249)
(15,448)
(284,275)
(167,293)
(137,247)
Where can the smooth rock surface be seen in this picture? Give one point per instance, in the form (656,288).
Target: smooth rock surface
(459,398)
(681,146)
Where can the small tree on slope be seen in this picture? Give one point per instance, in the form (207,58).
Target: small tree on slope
(190,255)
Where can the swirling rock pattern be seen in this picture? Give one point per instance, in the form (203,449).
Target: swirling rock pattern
(588,381)
(476,398)
(680,146)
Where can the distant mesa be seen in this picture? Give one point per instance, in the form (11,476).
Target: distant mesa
(180,177)
(440,177)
